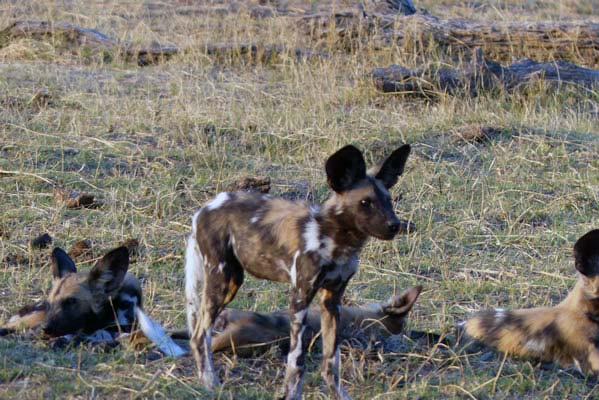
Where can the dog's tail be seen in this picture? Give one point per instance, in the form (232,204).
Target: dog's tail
(531,332)
(194,276)
(156,333)
(28,317)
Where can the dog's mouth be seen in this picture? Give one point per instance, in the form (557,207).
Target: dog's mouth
(404,227)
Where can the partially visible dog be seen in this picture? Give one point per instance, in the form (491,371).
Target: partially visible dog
(567,333)
(99,304)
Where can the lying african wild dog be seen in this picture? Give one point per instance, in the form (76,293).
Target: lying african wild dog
(246,331)
(567,333)
(105,300)
(315,248)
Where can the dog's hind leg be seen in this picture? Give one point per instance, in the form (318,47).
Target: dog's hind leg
(194,276)
(222,280)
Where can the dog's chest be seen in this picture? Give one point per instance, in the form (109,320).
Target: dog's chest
(338,271)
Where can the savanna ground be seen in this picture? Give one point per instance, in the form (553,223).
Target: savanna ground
(496,219)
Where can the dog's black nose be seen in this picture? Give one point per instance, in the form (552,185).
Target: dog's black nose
(394,226)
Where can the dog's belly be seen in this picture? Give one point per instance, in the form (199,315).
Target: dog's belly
(265,266)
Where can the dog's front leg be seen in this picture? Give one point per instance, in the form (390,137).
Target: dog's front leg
(330,308)
(300,301)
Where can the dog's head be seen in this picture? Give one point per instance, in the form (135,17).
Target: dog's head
(81,301)
(361,196)
(586,261)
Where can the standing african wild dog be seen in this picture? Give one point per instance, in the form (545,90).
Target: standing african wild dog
(315,248)
(106,299)
(567,333)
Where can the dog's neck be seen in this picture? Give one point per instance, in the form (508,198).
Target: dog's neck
(341,227)
(581,301)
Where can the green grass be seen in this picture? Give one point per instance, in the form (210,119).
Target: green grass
(496,220)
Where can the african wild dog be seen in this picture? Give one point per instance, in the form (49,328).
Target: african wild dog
(315,248)
(567,333)
(102,302)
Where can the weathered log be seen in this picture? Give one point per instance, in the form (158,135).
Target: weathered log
(481,75)
(560,39)
(76,36)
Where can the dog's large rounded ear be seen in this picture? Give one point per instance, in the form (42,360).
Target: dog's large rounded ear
(106,277)
(345,168)
(586,254)
(62,264)
(403,303)
(392,167)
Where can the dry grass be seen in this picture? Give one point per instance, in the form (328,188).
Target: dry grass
(496,218)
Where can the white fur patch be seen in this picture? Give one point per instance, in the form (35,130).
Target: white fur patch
(577,365)
(311,235)
(221,267)
(157,335)
(293,269)
(326,252)
(297,351)
(218,201)
(499,315)
(194,274)
(255,219)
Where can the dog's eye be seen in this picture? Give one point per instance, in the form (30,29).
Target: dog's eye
(366,203)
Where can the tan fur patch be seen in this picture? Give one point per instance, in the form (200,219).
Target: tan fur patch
(27,321)
(283,216)
(233,287)
(73,285)
(354,195)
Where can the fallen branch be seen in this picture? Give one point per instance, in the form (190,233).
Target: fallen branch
(77,37)
(480,75)
(559,38)
(83,37)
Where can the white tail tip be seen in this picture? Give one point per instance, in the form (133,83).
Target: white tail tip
(157,335)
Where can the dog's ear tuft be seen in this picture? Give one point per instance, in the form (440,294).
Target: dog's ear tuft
(106,277)
(392,167)
(345,168)
(403,303)
(586,254)
(62,264)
